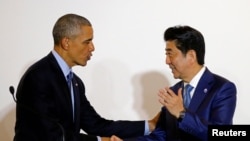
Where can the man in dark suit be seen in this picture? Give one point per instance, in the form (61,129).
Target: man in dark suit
(213,98)
(50,110)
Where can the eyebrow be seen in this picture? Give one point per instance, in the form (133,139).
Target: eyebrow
(88,40)
(168,49)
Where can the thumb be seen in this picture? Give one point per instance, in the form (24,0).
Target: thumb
(180,93)
(115,138)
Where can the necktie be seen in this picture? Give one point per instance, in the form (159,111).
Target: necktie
(69,80)
(186,95)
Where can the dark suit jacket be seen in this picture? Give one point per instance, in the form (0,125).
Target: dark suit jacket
(213,103)
(44,112)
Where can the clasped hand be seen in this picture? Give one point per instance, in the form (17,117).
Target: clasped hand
(173,102)
(151,123)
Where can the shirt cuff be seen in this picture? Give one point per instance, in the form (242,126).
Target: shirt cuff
(147,131)
(99,138)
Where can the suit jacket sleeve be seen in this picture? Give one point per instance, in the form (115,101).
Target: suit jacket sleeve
(213,103)
(93,124)
(217,109)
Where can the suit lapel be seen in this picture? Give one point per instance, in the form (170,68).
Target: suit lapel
(63,92)
(77,101)
(202,90)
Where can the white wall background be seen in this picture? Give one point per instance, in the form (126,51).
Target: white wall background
(128,65)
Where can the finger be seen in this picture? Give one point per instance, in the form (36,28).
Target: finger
(161,97)
(162,101)
(170,92)
(162,93)
(180,93)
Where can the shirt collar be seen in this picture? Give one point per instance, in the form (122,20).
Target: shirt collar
(195,80)
(63,65)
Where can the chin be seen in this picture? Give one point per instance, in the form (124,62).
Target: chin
(176,76)
(82,64)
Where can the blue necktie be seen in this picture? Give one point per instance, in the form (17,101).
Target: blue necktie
(186,95)
(69,80)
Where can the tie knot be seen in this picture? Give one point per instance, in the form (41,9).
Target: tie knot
(70,76)
(186,95)
(188,88)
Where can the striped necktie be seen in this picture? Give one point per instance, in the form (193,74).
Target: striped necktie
(69,81)
(186,95)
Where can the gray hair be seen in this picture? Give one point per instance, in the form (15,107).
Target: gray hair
(69,26)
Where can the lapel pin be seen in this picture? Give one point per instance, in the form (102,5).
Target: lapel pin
(205,90)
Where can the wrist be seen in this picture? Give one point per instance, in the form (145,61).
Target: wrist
(150,125)
(182,114)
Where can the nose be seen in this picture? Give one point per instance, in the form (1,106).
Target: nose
(167,61)
(91,46)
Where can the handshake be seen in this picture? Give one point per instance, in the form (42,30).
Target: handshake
(112,138)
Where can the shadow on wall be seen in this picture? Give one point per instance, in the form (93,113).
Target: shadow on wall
(8,115)
(7,123)
(146,88)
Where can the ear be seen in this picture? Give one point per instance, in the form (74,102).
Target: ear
(192,55)
(65,43)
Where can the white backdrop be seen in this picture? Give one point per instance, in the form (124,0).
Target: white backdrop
(128,66)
